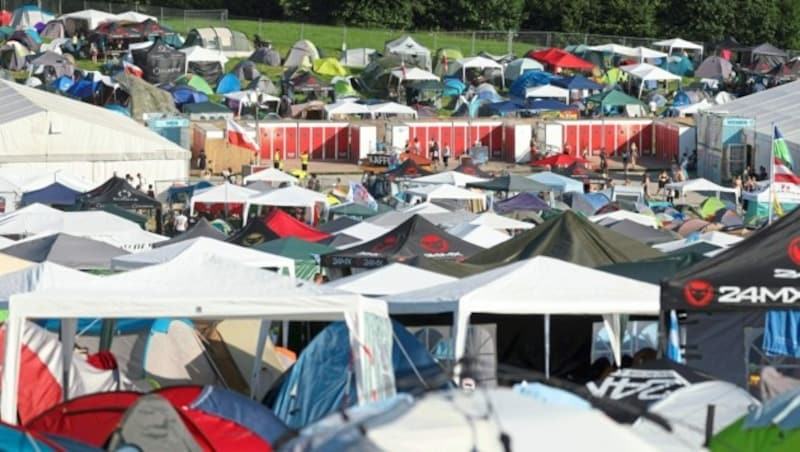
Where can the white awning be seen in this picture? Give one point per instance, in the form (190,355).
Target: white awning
(414,74)
(391,108)
(271,175)
(699,185)
(678,43)
(346,108)
(388,280)
(226,193)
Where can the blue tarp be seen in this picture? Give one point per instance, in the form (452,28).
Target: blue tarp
(229,83)
(453,87)
(53,194)
(322,381)
(500,108)
(62,83)
(18,440)
(681,99)
(678,65)
(529,79)
(241,410)
(576,82)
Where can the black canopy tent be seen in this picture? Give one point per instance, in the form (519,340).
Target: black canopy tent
(160,62)
(254,233)
(414,237)
(201,229)
(725,299)
(119,193)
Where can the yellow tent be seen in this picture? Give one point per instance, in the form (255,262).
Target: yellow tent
(330,67)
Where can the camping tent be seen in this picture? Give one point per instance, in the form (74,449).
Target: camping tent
(329,67)
(207,63)
(67,250)
(198,248)
(228,195)
(614,99)
(414,237)
(160,62)
(519,67)
(231,43)
(266,55)
(480,63)
(532,286)
(388,280)
(228,290)
(410,51)
(678,43)
(28,16)
(714,67)
(302,53)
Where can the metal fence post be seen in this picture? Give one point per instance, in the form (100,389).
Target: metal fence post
(435,40)
(510,42)
(161,14)
(302,30)
(548,39)
(59,8)
(473,43)
(260,27)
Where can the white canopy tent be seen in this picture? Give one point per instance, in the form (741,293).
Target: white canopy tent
(644,53)
(92,17)
(448,177)
(346,108)
(391,109)
(480,63)
(445,191)
(273,176)
(548,92)
(288,197)
(479,235)
(647,72)
(39,276)
(699,185)
(414,74)
(715,238)
(135,16)
(678,43)
(534,286)
(616,49)
(619,215)
(226,193)
(363,231)
(228,290)
(200,248)
(519,67)
(389,280)
(197,54)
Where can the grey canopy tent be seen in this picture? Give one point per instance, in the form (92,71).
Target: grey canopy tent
(201,229)
(67,250)
(644,234)
(410,51)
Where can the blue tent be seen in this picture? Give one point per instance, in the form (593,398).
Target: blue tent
(185,95)
(53,194)
(228,83)
(678,65)
(83,89)
(587,203)
(681,99)
(527,80)
(576,82)
(19,440)
(62,83)
(241,410)
(548,105)
(453,87)
(500,108)
(322,381)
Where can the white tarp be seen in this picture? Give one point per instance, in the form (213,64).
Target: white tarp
(697,185)
(388,280)
(414,74)
(533,286)
(202,248)
(207,289)
(715,238)
(226,193)
(271,175)
(391,109)
(134,16)
(346,108)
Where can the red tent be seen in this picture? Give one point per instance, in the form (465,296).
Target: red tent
(559,59)
(284,225)
(5,18)
(560,160)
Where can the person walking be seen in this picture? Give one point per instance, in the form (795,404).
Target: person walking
(180,223)
(446,154)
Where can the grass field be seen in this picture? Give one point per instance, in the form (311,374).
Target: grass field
(329,39)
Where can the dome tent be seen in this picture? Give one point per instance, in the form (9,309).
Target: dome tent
(231,43)
(246,70)
(266,55)
(303,51)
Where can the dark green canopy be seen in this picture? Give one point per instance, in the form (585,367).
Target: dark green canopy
(301,251)
(569,237)
(512,183)
(613,98)
(654,270)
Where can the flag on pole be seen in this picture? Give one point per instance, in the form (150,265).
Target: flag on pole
(673,341)
(360,195)
(238,137)
(134,70)
(782,161)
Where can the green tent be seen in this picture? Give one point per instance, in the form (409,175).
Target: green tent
(711,206)
(196,82)
(654,270)
(449,56)
(613,98)
(303,253)
(614,76)
(343,88)
(352,209)
(771,438)
(329,67)
(569,237)
(511,183)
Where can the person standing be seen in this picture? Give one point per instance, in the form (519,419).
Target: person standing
(201,160)
(603,161)
(634,154)
(276,159)
(180,223)
(304,161)
(646,184)
(150,192)
(626,156)
(663,180)
(433,148)
(446,155)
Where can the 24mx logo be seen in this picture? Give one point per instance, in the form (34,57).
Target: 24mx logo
(758,295)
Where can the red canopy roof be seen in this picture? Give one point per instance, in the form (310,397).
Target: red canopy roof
(560,160)
(5,18)
(560,59)
(284,225)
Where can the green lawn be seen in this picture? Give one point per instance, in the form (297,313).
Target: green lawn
(329,39)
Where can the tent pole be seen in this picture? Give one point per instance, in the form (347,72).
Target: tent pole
(106,334)
(547,346)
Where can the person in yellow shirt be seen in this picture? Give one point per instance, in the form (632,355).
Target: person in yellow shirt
(304,161)
(276,159)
